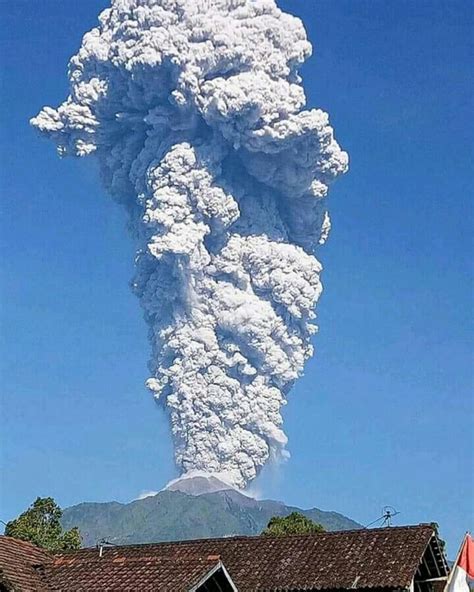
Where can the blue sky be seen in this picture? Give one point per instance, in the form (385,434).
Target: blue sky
(384,413)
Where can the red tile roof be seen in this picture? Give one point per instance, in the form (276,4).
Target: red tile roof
(17,565)
(116,572)
(359,559)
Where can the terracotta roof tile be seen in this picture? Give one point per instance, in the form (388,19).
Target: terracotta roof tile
(17,565)
(359,559)
(122,573)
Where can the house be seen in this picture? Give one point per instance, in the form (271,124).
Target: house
(393,559)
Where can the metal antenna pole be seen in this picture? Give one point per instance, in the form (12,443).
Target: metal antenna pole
(388,512)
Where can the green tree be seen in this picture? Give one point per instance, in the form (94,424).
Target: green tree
(295,523)
(40,524)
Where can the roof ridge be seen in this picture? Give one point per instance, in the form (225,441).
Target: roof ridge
(424,526)
(204,559)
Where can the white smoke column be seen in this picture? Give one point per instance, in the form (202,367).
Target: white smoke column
(194,110)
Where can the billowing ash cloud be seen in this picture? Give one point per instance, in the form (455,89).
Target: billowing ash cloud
(194,110)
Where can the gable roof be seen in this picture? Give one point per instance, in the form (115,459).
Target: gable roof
(147,572)
(18,561)
(387,558)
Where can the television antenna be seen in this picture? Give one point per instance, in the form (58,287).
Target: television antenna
(102,544)
(388,513)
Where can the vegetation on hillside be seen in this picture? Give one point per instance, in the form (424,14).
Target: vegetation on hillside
(40,524)
(172,516)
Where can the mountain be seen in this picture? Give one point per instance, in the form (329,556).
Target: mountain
(174,515)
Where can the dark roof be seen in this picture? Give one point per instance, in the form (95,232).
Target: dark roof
(358,559)
(18,560)
(144,571)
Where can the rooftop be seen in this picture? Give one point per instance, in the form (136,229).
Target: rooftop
(17,561)
(383,558)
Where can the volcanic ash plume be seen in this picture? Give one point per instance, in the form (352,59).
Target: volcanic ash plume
(194,111)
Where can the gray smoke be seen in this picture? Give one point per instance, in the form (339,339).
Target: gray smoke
(194,111)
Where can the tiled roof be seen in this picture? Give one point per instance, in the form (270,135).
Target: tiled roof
(17,565)
(147,572)
(359,559)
